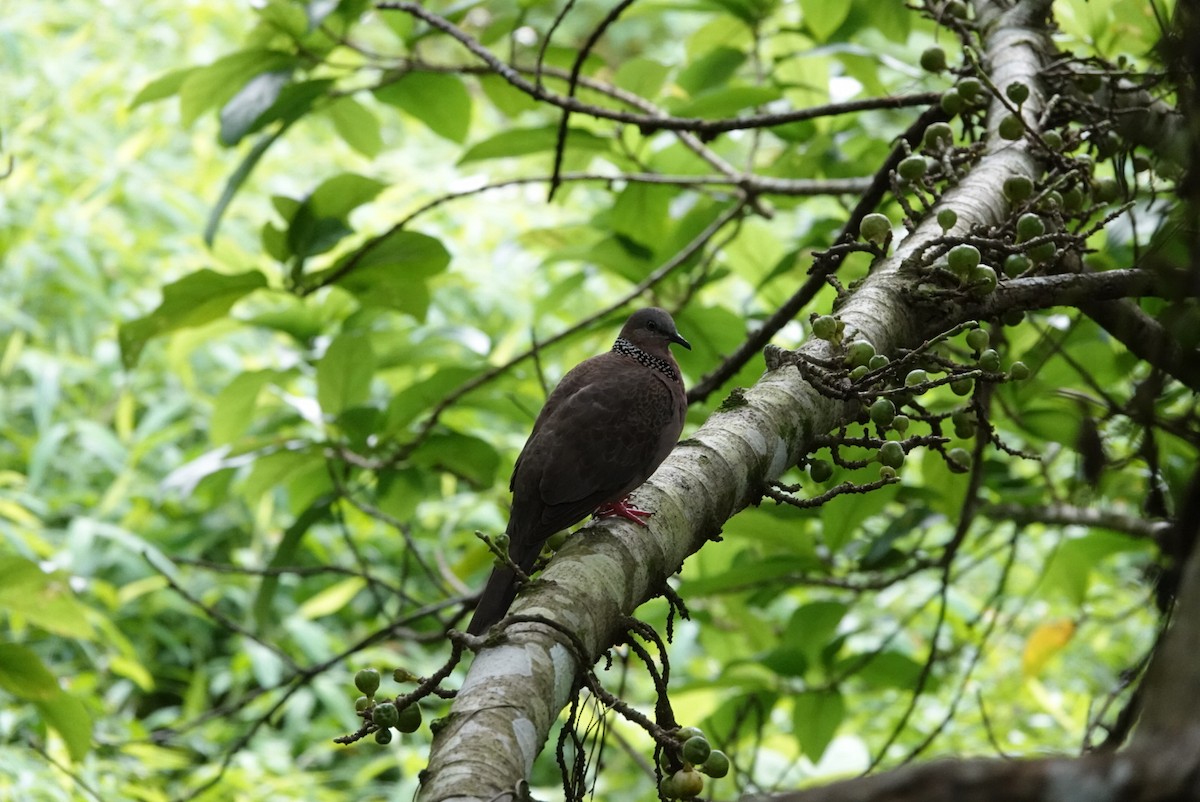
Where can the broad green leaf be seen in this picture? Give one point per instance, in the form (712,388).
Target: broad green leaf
(746,712)
(400,491)
(276,470)
(309,235)
(342,194)
(524,141)
(754,252)
(44,599)
(822,17)
(285,554)
(776,531)
(233,409)
(751,575)
(1068,573)
(893,20)
(467,457)
(408,404)
(70,719)
(284,16)
(1054,420)
(357,125)
(332,599)
(881,670)
(726,101)
(510,101)
(642,76)
(320,221)
(217,83)
(640,212)
(948,488)
(816,716)
(193,300)
(841,517)
(391,271)
(162,87)
(132,670)
(237,178)
(713,69)
(439,100)
(293,102)
(812,627)
(23,675)
(749,11)
(293,316)
(239,115)
(787,661)
(344,373)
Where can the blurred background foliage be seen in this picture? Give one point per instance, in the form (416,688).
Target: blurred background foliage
(220,489)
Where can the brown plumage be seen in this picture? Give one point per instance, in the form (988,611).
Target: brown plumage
(604,429)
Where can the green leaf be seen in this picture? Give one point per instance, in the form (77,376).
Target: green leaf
(70,719)
(712,69)
(284,16)
(301,319)
(812,627)
(342,194)
(787,661)
(1068,574)
(243,110)
(161,87)
(725,101)
(439,100)
(893,20)
(642,76)
(44,599)
(1054,420)
(822,17)
(332,599)
(216,84)
(234,406)
(947,489)
(816,716)
(285,555)
(344,373)
(293,102)
(743,713)
(524,141)
(320,221)
(841,517)
(883,670)
(750,575)
(23,675)
(193,300)
(237,178)
(392,271)
(357,125)
(750,12)
(467,457)
(509,100)
(408,404)
(640,212)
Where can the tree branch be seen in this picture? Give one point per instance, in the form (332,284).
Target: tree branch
(1158,772)
(1068,515)
(697,125)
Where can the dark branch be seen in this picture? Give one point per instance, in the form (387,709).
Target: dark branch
(648,122)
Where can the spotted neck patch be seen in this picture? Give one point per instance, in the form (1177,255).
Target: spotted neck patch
(623,346)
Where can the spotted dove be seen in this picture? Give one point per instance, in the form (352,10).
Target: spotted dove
(604,429)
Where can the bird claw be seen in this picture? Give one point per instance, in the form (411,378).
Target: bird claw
(623,509)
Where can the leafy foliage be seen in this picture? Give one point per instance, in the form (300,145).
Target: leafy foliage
(231,477)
